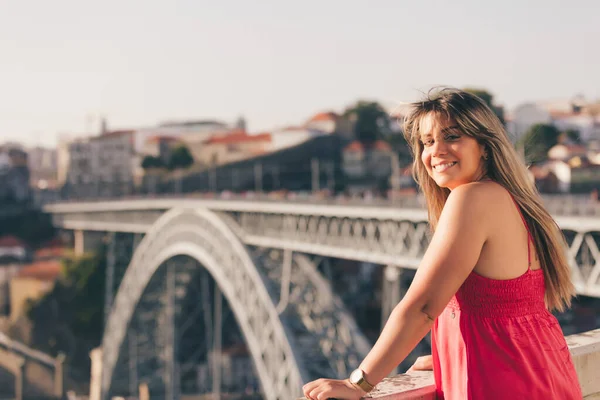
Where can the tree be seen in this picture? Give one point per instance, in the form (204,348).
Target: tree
(488,98)
(180,158)
(537,141)
(371,121)
(69,318)
(483,94)
(150,162)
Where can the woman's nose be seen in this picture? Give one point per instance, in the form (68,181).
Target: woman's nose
(439,147)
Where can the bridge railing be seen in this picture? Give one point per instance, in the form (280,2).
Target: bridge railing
(567,204)
(585,350)
(16,357)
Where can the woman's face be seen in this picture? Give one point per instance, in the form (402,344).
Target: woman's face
(450,157)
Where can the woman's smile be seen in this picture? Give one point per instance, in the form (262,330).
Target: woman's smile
(443,167)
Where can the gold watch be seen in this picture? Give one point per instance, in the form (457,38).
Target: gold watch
(357,377)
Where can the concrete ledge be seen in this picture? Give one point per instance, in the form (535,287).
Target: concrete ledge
(418,385)
(584,347)
(585,350)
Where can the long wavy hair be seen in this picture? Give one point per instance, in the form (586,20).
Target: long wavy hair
(504,166)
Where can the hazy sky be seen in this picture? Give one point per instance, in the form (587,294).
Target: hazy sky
(276,62)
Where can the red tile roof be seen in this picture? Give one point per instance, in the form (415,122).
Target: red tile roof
(50,252)
(239,137)
(292,128)
(11,241)
(355,146)
(381,145)
(41,270)
(324,116)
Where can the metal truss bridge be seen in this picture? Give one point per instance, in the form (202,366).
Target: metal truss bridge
(188,278)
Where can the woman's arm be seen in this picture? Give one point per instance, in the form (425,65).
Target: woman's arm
(451,256)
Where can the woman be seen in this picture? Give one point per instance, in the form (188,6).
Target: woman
(493,270)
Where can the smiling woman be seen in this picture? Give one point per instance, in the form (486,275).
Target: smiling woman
(450,157)
(493,336)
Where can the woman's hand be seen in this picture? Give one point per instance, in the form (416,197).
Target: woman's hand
(424,363)
(323,389)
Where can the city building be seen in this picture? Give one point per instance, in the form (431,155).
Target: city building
(101,166)
(13,253)
(62,159)
(189,132)
(577,175)
(293,135)
(14,175)
(325,122)
(330,122)
(570,114)
(565,152)
(581,120)
(570,168)
(367,167)
(12,250)
(524,117)
(230,147)
(43,168)
(160,147)
(155,146)
(31,282)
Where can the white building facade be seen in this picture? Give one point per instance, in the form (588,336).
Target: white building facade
(101,166)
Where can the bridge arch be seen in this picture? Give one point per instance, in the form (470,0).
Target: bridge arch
(202,235)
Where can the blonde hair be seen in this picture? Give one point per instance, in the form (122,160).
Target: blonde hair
(503,165)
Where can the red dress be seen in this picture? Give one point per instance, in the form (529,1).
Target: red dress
(497,340)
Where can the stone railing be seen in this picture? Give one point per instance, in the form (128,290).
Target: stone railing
(29,366)
(585,350)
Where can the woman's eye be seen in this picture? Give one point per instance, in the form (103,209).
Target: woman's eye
(452,137)
(427,142)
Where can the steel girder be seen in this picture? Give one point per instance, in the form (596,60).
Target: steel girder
(312,336)
(380,235)
(332,344)
(201,235)
(397,242)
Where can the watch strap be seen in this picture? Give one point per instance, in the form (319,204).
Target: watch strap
(362,383)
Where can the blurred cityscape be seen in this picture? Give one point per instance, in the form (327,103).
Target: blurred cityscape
(53,302)
(357,152)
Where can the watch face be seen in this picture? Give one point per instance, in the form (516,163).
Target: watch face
(356,376)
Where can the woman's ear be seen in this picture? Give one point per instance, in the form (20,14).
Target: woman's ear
(484,152)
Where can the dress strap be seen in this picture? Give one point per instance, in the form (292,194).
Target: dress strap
(529,239)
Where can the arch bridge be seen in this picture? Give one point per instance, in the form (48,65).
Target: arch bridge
(194,286)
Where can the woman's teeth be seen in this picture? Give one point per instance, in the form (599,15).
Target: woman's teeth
(443,167)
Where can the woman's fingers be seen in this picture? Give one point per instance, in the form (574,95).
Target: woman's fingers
(323,389)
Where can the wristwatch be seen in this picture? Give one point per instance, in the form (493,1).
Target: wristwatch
(357,377)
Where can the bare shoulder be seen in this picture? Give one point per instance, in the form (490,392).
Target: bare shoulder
(476,205)
(478,196)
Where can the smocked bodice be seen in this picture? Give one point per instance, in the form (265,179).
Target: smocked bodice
(492,297)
